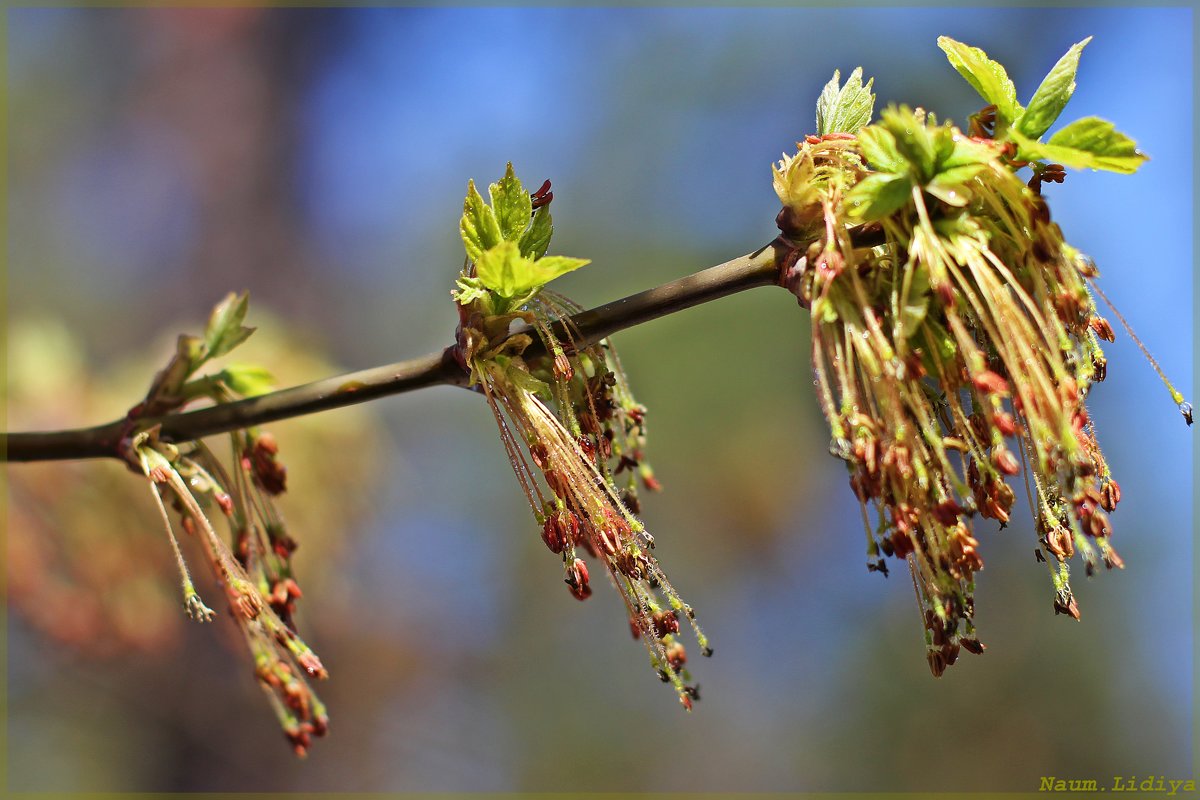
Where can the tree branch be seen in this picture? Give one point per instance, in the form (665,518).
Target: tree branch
(759,268)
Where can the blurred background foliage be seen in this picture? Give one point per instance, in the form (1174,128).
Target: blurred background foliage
(159,158)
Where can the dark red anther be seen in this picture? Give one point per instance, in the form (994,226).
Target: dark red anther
(1110,495)
(665,623)
(537,451)
(973,646)
(1101,328)
(555,481)
(947,511)
(552,535)
(1112,560)
(542,196)
(902,546)
(577,580)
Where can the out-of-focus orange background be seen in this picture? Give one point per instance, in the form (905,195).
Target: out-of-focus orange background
(159,158)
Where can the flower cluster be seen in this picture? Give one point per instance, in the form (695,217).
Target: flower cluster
(572,431)
(954,336)
(254,567)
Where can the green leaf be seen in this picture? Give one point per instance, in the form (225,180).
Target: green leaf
(967,152)
(505,271)
(845,109)
(916,302)
(469,290)
(1088,143)
(878,195)
(950,187)
(965,160)
(479,228)
(793,180)
(986,76)
(511,204)
(915,142)
(548,268)
(537,238)
(879,148)
(247,380)
(225,330)
(1051,97)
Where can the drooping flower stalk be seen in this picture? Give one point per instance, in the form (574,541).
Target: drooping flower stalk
(572,430)
(254,568)
(957,348)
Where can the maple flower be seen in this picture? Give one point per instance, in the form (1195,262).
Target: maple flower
(572,430)
(954,343)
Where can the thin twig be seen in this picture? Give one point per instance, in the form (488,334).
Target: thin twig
(436,369)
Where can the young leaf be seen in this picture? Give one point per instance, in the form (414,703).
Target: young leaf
(479,228)
(1088,143)
(548,268)
(505,271)
(847,109)
(793,180)
(986,76)
(246,379)
(916,303)
(914,141)
(511,204)
(469,290)
(950,187)
(225,330)
(1052,96)
(535,240)
(876,196)
(966,159)
(879,148)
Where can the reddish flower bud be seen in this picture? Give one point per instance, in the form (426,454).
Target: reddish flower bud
(225,502)
(268,473)
(1005,423)
(676,656)
(989,382)
(1005,461)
